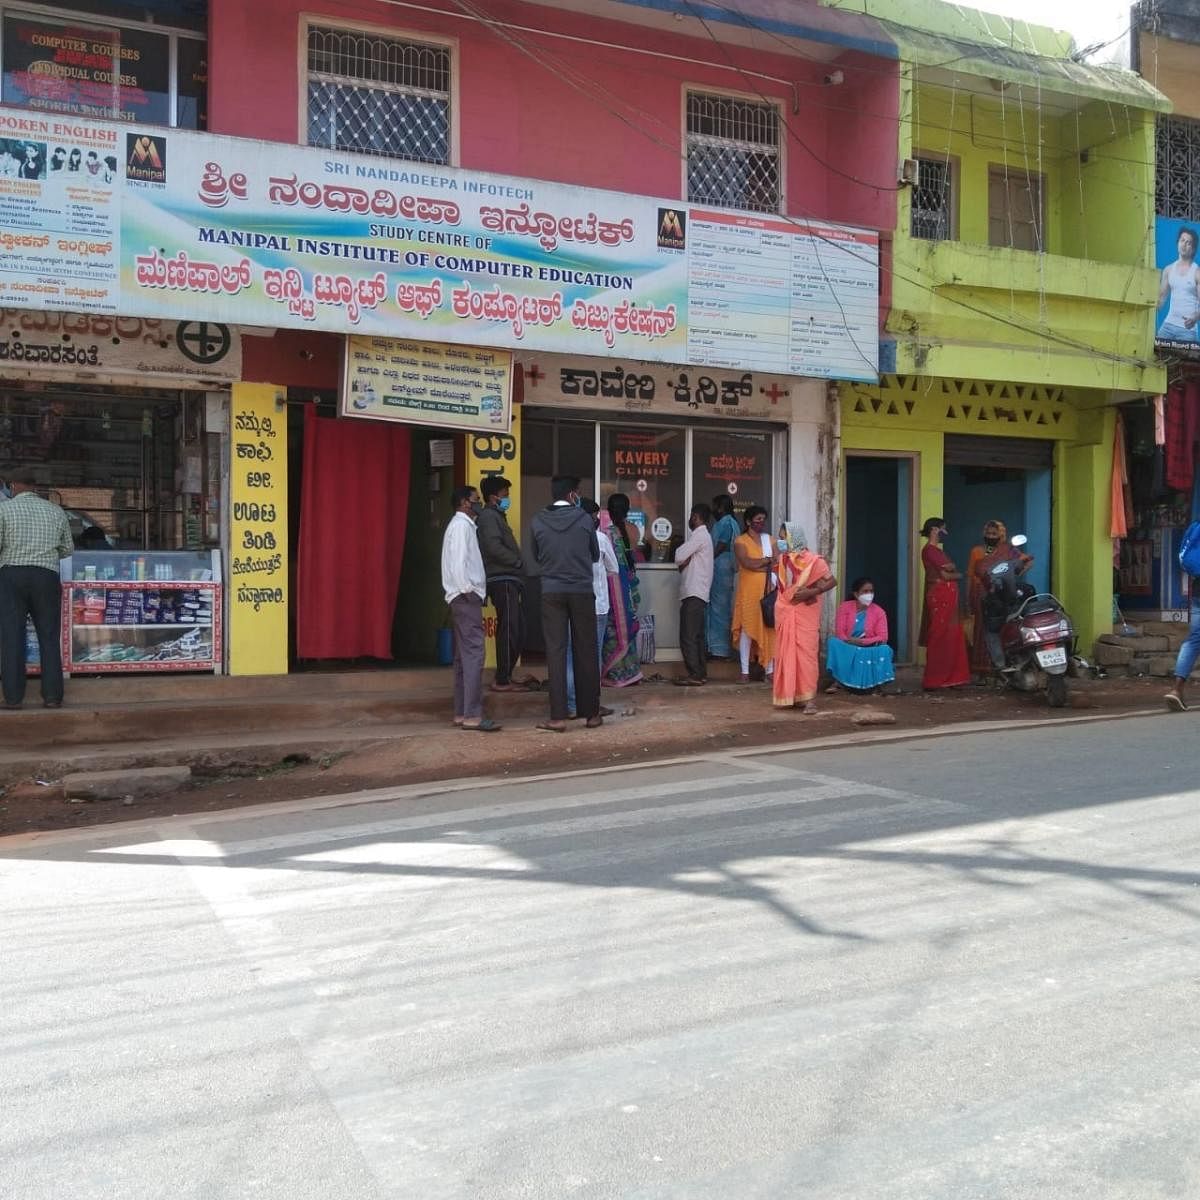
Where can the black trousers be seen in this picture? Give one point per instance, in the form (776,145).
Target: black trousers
(30,592)
(693,621)
(575,611)
(508,598)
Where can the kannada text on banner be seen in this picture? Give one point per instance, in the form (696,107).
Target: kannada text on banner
(258,558)
(488,455)
(452,387)
(211,228)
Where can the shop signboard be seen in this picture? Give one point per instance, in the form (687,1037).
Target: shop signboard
(197,227)
(637,386)
(68,68)
(490,454)
(424,383)
(51,345)
(258,527)
(1177,324)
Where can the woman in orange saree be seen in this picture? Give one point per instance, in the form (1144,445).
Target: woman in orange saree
(804,577)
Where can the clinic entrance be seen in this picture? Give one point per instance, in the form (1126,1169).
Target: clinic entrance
(878,537)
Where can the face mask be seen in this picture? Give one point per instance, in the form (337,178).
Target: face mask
(991,541)
(577,501)
(866,599)
(476,508)
(503,503)
(782,544)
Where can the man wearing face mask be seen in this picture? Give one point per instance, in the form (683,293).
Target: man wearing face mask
(505,579)
(465,585)
(564,549)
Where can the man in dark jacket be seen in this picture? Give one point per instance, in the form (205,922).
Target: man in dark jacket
(505,579)
(564,548)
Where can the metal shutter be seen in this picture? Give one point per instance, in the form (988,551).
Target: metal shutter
(1026,454)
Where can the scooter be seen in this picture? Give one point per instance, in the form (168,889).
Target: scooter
(1029,633)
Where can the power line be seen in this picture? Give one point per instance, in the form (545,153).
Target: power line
(593,90)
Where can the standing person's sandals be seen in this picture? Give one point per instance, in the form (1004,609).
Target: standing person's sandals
(487,725)
(1175,703)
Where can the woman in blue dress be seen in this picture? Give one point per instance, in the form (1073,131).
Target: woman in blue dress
(858,656)
(720,599)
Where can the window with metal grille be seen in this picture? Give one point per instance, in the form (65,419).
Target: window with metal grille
(1177,169)
(378,95)
(733,152)
(1016,209)
(933,200)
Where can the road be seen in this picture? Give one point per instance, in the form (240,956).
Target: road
(936,969)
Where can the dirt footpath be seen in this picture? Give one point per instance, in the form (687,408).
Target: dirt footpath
(651,721)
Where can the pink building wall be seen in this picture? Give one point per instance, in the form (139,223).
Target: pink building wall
(620,129)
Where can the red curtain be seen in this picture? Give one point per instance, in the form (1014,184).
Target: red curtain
(353,514)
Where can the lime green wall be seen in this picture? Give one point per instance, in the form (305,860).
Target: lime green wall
(915,422)
(962,308)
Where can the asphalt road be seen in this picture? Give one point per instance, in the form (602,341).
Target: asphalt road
(952,968)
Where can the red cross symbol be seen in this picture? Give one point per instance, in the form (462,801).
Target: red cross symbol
(535,373)
(774,393)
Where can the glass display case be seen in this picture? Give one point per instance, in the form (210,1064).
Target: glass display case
(142,611)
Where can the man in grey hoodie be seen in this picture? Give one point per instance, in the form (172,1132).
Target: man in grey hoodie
(505,579)
(564,548)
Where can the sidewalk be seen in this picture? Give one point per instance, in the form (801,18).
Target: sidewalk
(251,741)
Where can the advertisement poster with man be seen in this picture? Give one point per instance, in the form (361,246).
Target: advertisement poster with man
(1177,325)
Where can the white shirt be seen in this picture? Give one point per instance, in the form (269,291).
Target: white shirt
(697,552)
(462,564)
(601,571)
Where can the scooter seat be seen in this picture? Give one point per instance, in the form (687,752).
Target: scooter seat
(1040,604)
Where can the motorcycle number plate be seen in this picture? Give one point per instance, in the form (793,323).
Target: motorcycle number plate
(1052,658)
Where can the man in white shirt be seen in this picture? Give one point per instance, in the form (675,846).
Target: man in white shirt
(694,560)
(465,584)
(600,572)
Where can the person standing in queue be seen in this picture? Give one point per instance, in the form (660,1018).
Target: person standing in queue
(694,561)
(720,598)
(754,551)
(465,585)
(564,549)
(505,570)
(946,663)
(35,536)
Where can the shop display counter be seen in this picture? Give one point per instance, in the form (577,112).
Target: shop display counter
(142,611)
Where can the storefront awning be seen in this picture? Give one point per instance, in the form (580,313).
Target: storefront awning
(1063,76)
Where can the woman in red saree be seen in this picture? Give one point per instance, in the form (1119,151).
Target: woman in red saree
(941,632)
(804,578)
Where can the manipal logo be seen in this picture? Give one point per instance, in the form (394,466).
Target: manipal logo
(672,229)
(145,158)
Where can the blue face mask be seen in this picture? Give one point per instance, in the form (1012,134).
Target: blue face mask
(503,504)
(782,543)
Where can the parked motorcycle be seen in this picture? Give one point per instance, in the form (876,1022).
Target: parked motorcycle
(1029,633)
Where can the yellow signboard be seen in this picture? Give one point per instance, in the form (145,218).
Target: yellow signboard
(497,454)
(428,383)
(258,529)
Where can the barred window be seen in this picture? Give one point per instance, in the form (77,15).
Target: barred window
(733,152)
(378,95)
(933,200)
(1177,173)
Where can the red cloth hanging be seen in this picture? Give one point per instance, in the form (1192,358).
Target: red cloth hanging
(1182,419)
(1118,519)
(353,516)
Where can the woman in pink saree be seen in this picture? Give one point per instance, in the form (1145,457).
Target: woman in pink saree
(804,577)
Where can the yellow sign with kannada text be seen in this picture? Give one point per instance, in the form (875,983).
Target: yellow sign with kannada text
(497,454)
(258,528)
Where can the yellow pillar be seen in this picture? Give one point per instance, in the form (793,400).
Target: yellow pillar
(258,532)
(1082,545)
